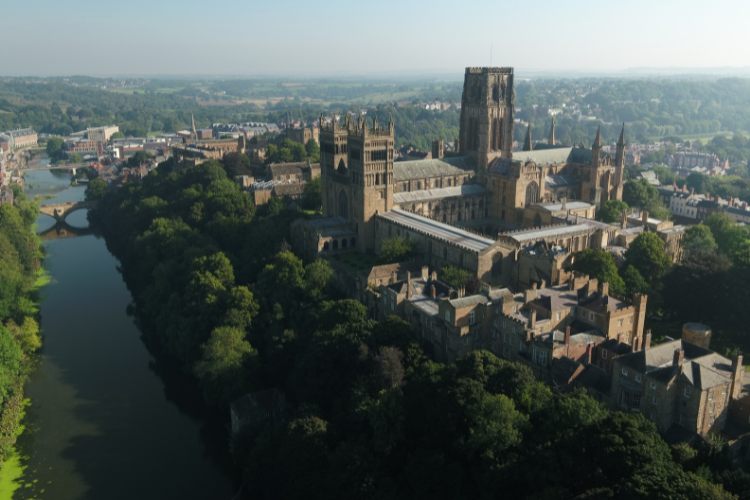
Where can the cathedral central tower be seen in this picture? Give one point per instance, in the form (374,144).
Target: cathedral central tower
(487,115)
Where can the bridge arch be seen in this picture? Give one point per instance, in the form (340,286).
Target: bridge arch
(60,211)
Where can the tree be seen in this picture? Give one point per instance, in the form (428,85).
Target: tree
(634,282)
(117,135)
(646,253)
(54,146)
(313,194)
(635,194)
(138,159)
(236,164)
(397,249)
(599,265)
(455,275)
(75,158)
(698,238)
(96,189)
(225,366)
(612,211)
(313,151)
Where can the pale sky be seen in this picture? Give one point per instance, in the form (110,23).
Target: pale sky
(334,37)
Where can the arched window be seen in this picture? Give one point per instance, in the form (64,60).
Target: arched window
(459,216)
(532,193)
(343,205)
(335,244)
(472,213)
(419,185)
(325,246)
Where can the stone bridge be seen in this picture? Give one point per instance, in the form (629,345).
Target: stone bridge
(59,211)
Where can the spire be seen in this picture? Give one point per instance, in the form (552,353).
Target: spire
(621,142)
(375,123)
(192,118)
(527,144)
(598,138)
(551,140)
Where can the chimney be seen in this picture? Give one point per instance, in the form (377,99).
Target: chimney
(605,289)
(543,285)
(567,335)
(408,284)
(591,287)
(684,188)
(647,340)
(528,336)
(738,372)
(679,357)
(624,220)
(744,205)
(394,277)
(644,217)
(674,186)
(425,272)
(530,294)
(532,319)
(637,344)
(589,353)
(692,191)
(433,277)
(564,204)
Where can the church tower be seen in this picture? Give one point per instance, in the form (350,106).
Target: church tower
(619,167)
(487,115)
(356,164)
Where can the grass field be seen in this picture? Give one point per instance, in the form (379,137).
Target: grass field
(11,477)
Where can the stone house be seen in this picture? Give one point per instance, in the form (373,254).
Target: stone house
(677,384)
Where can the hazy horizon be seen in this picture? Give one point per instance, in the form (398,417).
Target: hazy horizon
(329,39)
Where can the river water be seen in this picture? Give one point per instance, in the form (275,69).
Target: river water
(107,419)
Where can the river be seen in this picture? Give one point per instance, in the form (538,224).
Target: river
(108,420)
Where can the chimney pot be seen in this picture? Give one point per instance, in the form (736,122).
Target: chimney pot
(644,217)
(605,288)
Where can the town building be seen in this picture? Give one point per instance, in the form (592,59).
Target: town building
(21,138)
(302,134)
(688,160)
(102,134)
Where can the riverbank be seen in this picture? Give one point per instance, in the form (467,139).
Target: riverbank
(104,409)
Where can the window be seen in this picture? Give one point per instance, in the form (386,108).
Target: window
(520,345)
(637,377)
(558,316)
(712,407)
(624,399)
(654,400)
(472,317)
(630,320)
(652,385)
(466,340)
(447,315)
(687,392)
(604,354)
(591,316)
(543,358)
(683,419)
(625,371)
(724,390)
(504,324)
(710,395)
(636,402)
(619,322)
(711,420)
(497,311)
(496,323)
(392,308)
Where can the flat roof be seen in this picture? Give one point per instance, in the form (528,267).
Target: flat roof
(547,232)
(571,205)
(452,234)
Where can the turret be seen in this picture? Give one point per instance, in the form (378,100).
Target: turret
(551,140)
(527,144)
(596,148)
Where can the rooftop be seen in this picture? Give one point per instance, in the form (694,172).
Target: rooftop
(448,233)
(435,194)
(571,205)
(459,165)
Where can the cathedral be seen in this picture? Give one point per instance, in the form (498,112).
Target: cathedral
(459,207)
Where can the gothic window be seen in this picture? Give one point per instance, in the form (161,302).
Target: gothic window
(502,215)
(532,193)
(496,93)
(459,216)
(325,246)
(343,205)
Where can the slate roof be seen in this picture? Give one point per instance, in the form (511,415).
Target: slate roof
(459,237)
(502,166)
(294,189)
(440,193)
(544,156)
(571,205)
(579,155)
(420,169)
